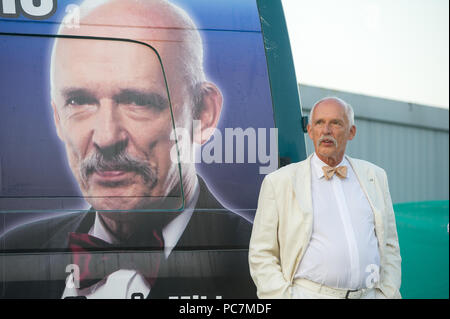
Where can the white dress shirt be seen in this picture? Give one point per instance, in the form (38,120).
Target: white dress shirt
(123,283)
(343,248)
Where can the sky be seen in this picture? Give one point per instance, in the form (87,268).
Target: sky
(394,49)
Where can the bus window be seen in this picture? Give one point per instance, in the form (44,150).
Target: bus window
(88,140)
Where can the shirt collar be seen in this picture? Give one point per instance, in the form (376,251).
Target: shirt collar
(317,165)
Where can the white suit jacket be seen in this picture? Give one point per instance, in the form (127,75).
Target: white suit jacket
(284,220)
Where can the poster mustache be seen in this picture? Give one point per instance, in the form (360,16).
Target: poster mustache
(121,161)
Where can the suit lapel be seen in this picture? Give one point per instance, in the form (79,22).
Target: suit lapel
(79,222)
(301,220)
(302,186)
(366,177)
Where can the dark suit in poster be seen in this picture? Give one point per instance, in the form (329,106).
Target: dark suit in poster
(210,258)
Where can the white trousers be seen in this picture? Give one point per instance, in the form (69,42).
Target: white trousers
(299,292)
(303,293)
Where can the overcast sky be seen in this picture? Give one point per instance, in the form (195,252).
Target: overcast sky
(395,49)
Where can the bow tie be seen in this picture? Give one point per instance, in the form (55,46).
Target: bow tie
(97,259)
(340,171)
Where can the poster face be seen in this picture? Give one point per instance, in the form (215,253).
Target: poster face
(134,136)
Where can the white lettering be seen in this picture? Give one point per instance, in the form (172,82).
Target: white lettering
(240,135)
(45,7)
(181,150)
(191,309)
(272,159)
(32,9)
(212,151)
(73,279)
(374,275)
(72,19)
(259,147)
(9,7)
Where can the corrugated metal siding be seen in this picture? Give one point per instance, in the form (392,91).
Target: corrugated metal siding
(415,154)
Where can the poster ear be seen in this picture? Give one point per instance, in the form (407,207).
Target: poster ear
(57,121)
(208,112)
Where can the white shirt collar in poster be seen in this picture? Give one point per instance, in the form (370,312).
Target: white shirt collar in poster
(123,283)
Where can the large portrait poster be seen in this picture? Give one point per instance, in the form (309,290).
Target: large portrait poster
(134,137)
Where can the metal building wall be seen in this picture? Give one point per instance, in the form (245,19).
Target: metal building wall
(410,141)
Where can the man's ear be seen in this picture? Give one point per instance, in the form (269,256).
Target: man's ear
(352,132)
(208,112)
(308,128)
(57,121)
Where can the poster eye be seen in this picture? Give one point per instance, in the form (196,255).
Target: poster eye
(80,100)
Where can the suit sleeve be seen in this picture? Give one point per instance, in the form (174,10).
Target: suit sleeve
(391,267)
(264,251)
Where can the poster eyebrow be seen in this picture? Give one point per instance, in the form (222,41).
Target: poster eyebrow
(75,91)
(141,97)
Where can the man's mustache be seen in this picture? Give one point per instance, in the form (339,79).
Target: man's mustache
(122,161)
(327,137)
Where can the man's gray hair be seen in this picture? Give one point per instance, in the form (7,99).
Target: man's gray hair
(347,108)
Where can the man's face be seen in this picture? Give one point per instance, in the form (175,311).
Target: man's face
(330,130)
(112,112)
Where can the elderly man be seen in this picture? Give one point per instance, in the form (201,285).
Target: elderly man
(116,106)
(325,227)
